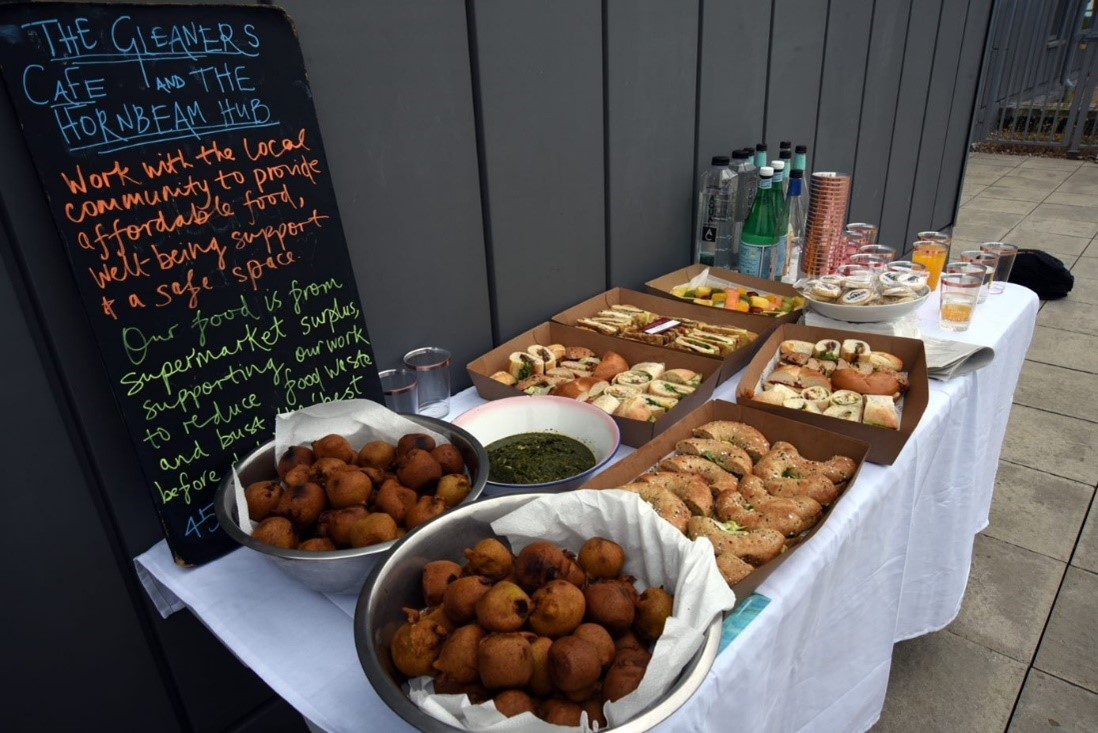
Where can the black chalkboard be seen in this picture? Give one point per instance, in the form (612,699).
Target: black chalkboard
(179,150)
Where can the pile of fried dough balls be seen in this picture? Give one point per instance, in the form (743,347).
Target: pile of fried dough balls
(545,632)
(331,497)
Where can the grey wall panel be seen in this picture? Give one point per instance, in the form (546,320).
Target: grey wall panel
(735,42)
(541,97)
(70,623)
(843,81)
(939,101)
(796,62)
(886,56)
(955,147)
(910,114)
(651,69)
(393,95)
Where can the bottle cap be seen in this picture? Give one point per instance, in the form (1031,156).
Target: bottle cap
(760,147)
(802,149)
(741,154)
(766,171)
(785,144)
(720,160)
(778,165)
(796,173)
(747,151)
(785,154)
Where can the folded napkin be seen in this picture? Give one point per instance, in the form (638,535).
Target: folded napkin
(906,326)
(947,359)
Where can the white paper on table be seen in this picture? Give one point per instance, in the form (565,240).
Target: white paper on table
(946,359)
(659,555)
(904,326)
(359,421)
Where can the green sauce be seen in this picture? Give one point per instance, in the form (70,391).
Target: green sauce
(537,458)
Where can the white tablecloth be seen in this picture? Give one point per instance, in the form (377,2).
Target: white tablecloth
(891,563)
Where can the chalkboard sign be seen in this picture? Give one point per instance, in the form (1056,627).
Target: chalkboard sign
(179,150)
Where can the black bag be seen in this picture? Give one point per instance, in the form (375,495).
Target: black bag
(1042,273)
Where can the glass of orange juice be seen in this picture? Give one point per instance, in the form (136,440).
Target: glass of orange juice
(933,255)
(959,293)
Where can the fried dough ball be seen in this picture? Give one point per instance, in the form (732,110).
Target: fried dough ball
(303,504)
(573,664)
(325,468)
(653,607)
(416,469)
(504,660)
(295,455)
(377,453)
(445,685)
(461,596)
(395,500)
(335,524)
(299,474)
(453,488)
(560,712)
(558,609)
(503,608)
(334,446)
(416,646)
(372,529)
(542,561)
(349,488)
(317,544)
(602,558)
(611,603)
(420,441)
(277,531)
(514,702)
(262,498)
(425,509)
(541,683)
(598,637)
(437,575)
(623,677)
(449,457)
(458,657)
(490,558)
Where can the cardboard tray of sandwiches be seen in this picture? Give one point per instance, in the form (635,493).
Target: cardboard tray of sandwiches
(722,289)
(871,387)
(757,485)
(645,388)
(727,336)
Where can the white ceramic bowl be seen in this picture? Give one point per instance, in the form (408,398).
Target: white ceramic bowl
(543,414)
(866,313)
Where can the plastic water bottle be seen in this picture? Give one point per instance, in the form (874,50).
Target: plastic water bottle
(747,183)
(713,233)
(797,205)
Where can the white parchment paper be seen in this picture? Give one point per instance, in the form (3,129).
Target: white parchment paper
(656,554)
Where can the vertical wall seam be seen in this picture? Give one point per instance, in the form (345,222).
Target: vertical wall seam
(895,111)
(823,69)
(482,168)
(769,54)
(695,172)
(607,229)
(922,127)
(949,117)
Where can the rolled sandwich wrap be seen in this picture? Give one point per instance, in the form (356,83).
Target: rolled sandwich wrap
(623,391)
(664,403)
(633,378)
(818,396)
(827,350)
(880,410)
(777,394)
(653,368)
(846,398)
(682,376)
(634,408)
(522,365)
(669,389)
(606,403)
(853,413)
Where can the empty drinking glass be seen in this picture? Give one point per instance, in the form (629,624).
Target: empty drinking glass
(1006,253)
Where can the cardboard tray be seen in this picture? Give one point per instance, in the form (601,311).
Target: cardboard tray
(662,286)
(633,432)
(811,442)
(884,444)
(677,308)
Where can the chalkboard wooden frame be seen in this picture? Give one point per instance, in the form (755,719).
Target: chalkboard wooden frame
(181,158)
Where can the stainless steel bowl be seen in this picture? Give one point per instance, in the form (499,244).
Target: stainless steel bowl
(339,571)
(395,583)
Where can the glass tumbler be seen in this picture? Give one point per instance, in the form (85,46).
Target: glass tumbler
(959,292)
(432,367)
(1006,253)
(989,261)
(933,255)
(400,390)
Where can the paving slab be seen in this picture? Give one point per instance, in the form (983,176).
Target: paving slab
(1017,193)
(1069,648)
(1080,184)
(998,158)
(1084,290)
(1070,199)
(1009,596)
(1050,704)
(1060,445)
(1086,267)
(1035,222)
(1038,175)
(1066,212)
(1057,389)
(985,226)
(1056,164)
(1073,313)
(990,203)
(1064,348)
(1036,511)
(1086,551)
(942,682)
(1034,237)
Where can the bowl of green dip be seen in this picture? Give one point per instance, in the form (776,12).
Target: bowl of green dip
(540,443)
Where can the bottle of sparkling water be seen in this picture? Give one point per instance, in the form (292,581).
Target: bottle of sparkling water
(716,196)
(760,232)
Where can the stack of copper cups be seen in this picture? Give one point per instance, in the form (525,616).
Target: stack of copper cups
(824,243)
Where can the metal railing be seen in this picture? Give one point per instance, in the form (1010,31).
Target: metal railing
(1040,76)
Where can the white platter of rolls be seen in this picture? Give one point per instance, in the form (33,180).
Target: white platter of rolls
(844,379)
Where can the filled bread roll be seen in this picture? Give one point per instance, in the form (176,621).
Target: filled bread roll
(548,360)
(633,378)
(669,389)
(855,350)
(827,350)
(505,378)
(884,360)
(634,408)
(575,353)
(557,350)
(880,410)
(606,403)
(682,376)
(776,395)
(522,365)
(612,364)
(880,383)
(793,347)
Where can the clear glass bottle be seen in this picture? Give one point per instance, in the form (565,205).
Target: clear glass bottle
(747,184)
(713,230)
(760,235)
(786,155)
(797,206)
